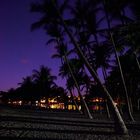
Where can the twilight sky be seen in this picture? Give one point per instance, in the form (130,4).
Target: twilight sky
(21,50)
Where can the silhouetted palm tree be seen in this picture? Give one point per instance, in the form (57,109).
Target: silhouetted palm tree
(56,11)
(129,37)
(102,57)
(44,81)
(62,50)
(118,12)
(129,34)
(131,73)
(70,86)
(62,53)
(73,76)
(114,45)
(27,89)
(135,7)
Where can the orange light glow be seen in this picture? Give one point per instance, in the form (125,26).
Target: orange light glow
(43,105)
(96,100)
(42,100)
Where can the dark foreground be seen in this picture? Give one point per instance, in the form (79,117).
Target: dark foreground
(23,124)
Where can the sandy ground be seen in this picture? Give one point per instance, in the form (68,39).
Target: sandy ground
(59,125)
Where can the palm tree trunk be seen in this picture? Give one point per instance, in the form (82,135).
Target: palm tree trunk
(106,103)
(138,63)
(123,80)
(138,107)
(73,100)
(85,107)
(104,73)
(107,109)
(118,61)
(118,119)
(123,23)
(131,105)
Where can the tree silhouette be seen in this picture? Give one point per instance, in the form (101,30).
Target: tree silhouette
(44,81)
(54,15)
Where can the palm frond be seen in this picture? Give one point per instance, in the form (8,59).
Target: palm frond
(63,6)
(39,24)
(36,7)
(56,56)
(52,40)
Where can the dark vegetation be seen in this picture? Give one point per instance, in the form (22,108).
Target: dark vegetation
(90,36)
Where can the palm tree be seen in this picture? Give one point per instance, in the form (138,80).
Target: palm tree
(85,107)
(44,81)
(93,73)
(135,7)
(26,89)
(65,60)
(81,77)
(86,22)
(70,86)
(131,73)
(130,38)
(118,12)
(62,52)
(60,94)
(105,5)
(57,15)
(102,57)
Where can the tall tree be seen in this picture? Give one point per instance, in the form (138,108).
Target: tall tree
(106,7)
(62,51)
(58,15)
(70,69)
(44,81)
(27,89)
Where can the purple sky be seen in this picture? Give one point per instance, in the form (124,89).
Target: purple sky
(21,50)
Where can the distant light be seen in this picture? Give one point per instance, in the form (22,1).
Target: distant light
(20,102)
(43,105)
(42,100)
(97,100)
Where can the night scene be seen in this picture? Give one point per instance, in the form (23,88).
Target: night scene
(69,70)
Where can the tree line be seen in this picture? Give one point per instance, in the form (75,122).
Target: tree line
(35,87)
(92,36)
(97,42)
